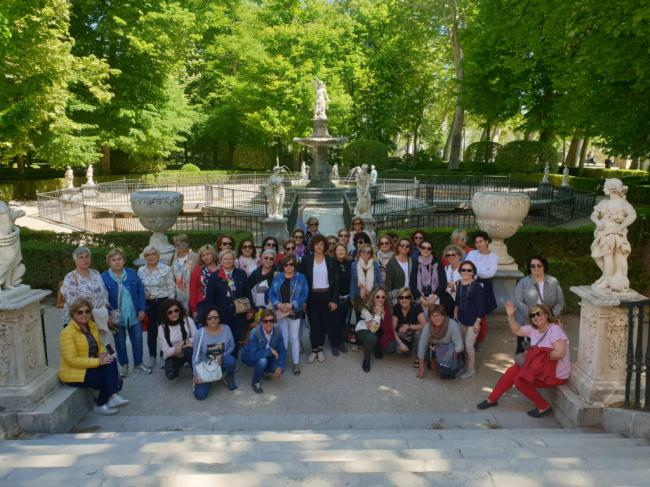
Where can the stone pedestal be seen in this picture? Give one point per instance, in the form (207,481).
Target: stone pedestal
(276,228)
(544,191)
(598,376)
(504,283)
(25,379)
(566,192)
(90,191)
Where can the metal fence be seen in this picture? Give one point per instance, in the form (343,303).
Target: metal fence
(637,377)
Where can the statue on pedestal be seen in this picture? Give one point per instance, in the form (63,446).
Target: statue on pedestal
(322,100)
(547,171)
(275,195)
(565,176)
(11,267)
(611,247)
(335,171)
(69,178)
(89,176)
(373,175)
(304,171)
(363,192)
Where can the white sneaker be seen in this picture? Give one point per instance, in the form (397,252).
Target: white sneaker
(355,348)
(124,370)
(311,358)
(142,369)
(468,374)
(117,401)
(104,410)
(321,356)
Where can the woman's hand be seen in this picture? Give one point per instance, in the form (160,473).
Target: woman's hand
(421,371)
(141,315)
(333,306)
(510,308)
(477,327)
(275,353)
(451,286)
(196,380)
(402,347)
(105,358)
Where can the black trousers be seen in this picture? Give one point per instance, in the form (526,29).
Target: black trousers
(173,365)
(153,313)
(320,318)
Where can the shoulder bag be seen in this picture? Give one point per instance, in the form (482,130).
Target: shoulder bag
(208,370)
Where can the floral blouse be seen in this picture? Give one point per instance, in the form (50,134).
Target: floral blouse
(75,285)
(159,283)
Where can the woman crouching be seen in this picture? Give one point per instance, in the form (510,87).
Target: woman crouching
(175,337)
(441,342)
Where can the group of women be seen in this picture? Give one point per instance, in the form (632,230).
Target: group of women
(206,306)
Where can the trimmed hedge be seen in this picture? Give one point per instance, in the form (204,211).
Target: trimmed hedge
(365,152)
(48,255)
(484,151)
(568,252)
(525,156)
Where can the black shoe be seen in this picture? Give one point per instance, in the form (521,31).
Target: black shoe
(335,351)
(487,404)
(257,389)
(266,376)
(535,413)
(343,348)
(230,383)
(366,365)
(379,354)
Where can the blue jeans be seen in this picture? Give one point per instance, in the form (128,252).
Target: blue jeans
(135,336)
(337,329)
(266,364)
(228,365)
(104,378)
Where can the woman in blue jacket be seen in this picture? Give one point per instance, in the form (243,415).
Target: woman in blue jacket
(288,294)
(264,350)
(126,308)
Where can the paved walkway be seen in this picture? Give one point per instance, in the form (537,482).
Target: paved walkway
(337,388)
(32,221)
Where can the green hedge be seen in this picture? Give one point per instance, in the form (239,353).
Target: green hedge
(369,152)
(484,151)
(568,252)
(602,173)
(48,255)
(525,156)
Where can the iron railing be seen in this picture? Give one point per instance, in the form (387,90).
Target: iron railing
(637,359)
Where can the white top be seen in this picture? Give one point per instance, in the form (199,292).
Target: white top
(486,264)
(540,287)
(452,275)
(367,316)
(159,283)
(175,336)
(321,280)
(405,269)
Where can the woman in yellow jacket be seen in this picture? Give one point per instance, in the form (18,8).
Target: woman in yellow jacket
(84,360)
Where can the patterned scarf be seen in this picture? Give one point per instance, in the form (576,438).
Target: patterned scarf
(227,278)
(366,273)
(205,275)
(427,275)
(383,258)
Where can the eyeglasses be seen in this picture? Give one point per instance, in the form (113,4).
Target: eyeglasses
(289,248)
(83,312)
(332,244)
(404,246)
(418,238)
(268,320)
(267,258)
(153,254)
(384,243)
(467,270)
(298,237)
(536,266)
(290,264)
(535,314)
(462,238)
(425,247)
(212,317)
(344,235)
(313,224)
(450,255)
(174,311)
(181,245)
(226,243)
(247,246)
(366,251)
(402,298)
(380,296)
(270,244)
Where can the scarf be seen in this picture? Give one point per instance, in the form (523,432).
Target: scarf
(383,258)
(301,250)
(427,275)
(438,332)
(366,274)
(124,302)
(205,275)
(227,278)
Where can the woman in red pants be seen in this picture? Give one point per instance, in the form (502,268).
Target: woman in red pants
(546,364)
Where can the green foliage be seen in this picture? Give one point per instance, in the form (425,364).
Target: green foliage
(190,168)
(602,173)
(365,152)
(639,194)
(525,156)
(484,152)
(257,158)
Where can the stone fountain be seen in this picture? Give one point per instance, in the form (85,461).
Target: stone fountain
(158,211)
(320,141)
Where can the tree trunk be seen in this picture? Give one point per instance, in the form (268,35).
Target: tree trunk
(447,149)
(459,116)
(456,138)
(484,135)
(583,152)
(496,133)
(105,163)
(574,151)
(231,154)
(20,165)
(408,144)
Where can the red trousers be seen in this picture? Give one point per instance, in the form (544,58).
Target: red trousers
(511,377)
(483,332)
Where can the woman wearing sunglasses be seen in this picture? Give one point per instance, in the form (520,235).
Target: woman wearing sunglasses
(247,256)
(429,281)
(547,362)
(260,280)
(454,256)
(271,243)
(469,312)
(385,252)
(400,269)
(408,321)
(175,335)
(264,350)
(537,288)
(84,360)
(417,238)
(365,276)
(298,237)
(376,320)
(287,295)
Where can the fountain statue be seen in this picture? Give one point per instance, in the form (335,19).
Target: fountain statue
(11,267)
(364,202)
(69,178)
(565,177)
(304,171)
(547,171)
(89,176)
(335,172)
(373,175)
(275,195)
(320,140)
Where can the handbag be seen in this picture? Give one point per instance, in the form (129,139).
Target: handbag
(520,358)
(242,305)
(208,370)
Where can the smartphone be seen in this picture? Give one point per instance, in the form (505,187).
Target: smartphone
(110,349)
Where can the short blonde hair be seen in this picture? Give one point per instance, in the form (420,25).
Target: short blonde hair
(113,252)
(181,238)
(455,249)
(150,248)
(79,303)
(225,252)
(209,249)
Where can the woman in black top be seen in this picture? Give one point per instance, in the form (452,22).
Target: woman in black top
(259,282)
(408,321)
(429,280)
(344,265)
(323,297)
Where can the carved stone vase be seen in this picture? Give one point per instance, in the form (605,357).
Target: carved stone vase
(158,211)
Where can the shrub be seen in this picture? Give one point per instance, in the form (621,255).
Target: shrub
(365,152)
(639,194)
(250,157)
(189,167)
(525,156)
(484,152)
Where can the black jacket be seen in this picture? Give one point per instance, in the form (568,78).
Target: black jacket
(306,267)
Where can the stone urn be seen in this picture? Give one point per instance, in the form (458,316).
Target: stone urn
(158,211)
(500,215)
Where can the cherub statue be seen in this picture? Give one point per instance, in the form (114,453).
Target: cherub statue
(363,192)
(322,100)
(304,171)
(611,247)
(89,176)
(335,172)
(69,178)
(11,267)
(275,195)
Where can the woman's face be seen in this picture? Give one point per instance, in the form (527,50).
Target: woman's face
(267,261)
(207,258)
(461,239)
(403,247)
(380,298)
(298,238)
(268,323)
(331,244)
(466,272)
(271,244)
(357,226)
(385,245)
(83,261)
(365,254)
(116,262)
(437,319)
(340,253)
(319,248)
(344,237)
(313,227)
(290,249)
(417,239)
(452,257)
(212,319)
(480,243)
(537,317)
(82,315)
(173,313)
(227,262)
(182,248)
(152,257)
(226,244)
(247,249)
(426,249)
(536,267)
(404,300)
(289,268)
